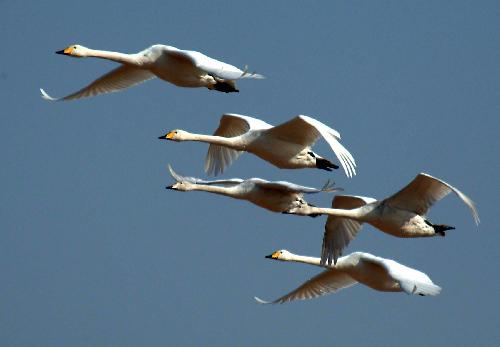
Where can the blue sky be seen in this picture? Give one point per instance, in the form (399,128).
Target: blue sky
(95,252)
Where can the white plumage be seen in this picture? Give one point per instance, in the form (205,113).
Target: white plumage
(181,67)
(375,272)
(277,196)
(287,146)
(402,215)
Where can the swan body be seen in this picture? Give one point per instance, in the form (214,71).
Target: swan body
(277,196)
(402,214)
(182,68)
(287,146)
(378,273)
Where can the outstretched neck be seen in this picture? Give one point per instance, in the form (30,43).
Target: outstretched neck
(122,58)
(232,142)
(338,212)
(304,259)
(228,191)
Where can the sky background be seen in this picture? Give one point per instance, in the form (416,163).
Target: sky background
(95,252)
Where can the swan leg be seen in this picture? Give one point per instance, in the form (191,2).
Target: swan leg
(226,87)
(440,229)
(325,164)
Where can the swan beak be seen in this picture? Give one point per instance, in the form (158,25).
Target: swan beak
(170,187)
(275,255)
(66,51)
(168,136)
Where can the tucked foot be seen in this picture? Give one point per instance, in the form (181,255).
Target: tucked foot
(226,87)
(440,228)
(325,164)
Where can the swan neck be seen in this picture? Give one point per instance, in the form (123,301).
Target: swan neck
(215,140)
(122,58)
(338,212)
(304,259)
(213,189)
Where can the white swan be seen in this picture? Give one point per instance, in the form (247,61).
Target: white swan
(401,215)
(378,273)
(287,146)
(180,67)
(275,196)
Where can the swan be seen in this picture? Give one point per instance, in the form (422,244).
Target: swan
(180,67)
(378,273)
(401,215)
(275,196)
(287,146)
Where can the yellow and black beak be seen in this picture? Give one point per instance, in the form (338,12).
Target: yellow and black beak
(66,51)
(275,255)
(168,136)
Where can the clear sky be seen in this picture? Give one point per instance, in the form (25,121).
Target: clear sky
(94,251)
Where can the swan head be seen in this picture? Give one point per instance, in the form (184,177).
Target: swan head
(181,186)
(77,51)
(175,135)
(300,209)
(281,254)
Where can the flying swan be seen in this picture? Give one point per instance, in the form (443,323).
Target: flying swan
(287,146)
(277,196)
(180,67)
(402,215)
(378,273)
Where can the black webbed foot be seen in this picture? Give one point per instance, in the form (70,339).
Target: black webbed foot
(325,164)
(439,228)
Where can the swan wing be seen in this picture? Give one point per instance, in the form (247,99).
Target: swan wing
(120,78)
(231,125)
(305,131)
(328,281)
(339,232)
(410,280)
(218,68)
(292,187)
(180,178)
(421,193)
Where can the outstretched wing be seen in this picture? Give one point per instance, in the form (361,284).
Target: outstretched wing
(218,68)
(421,193)
(410,280)
(305,131)
(120,78)
(180,178)
(328,281)
(292,187)
(339,232)
(231,125)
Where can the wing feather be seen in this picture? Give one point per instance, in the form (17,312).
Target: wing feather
(218,68)
(411,281)
(421,193)
(120,78)
(218,157)
(180,178)
(305,131)
(328,281)
(339,232)
(292,187)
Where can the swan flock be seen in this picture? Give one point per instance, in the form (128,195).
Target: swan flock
(288,145)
